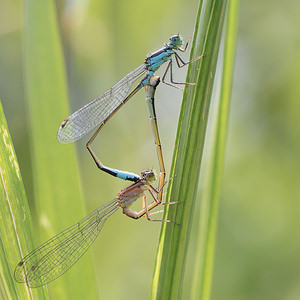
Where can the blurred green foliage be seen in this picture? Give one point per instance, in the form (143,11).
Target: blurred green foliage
(257,246)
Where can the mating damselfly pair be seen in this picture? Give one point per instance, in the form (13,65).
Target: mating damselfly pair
(56,256)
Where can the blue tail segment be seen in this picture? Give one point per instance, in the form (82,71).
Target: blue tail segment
(121,174)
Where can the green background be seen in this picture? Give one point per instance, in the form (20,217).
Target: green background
(257,250)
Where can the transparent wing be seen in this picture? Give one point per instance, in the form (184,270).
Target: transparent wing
(59,254)
(98,110)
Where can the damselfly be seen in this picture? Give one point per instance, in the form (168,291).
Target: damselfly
(102,108)
(53,258)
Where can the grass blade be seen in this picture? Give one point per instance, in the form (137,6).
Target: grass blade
(56,182)
(209,204)
(172,249)
(14,215)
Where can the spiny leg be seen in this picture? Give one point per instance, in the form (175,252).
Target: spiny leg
(178,58)
(147,214)
(154,204)
(171,77)
(153,191)
(146,207)
(170,66)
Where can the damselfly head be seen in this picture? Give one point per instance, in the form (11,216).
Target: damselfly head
(176,40)
(148,175)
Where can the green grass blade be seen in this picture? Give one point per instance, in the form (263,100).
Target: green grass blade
(16,234)
(209,204)
(174,239)
(56,183)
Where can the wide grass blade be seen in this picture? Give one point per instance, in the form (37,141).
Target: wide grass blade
(174,239)
(56,183)
(210,200)
(16,231)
